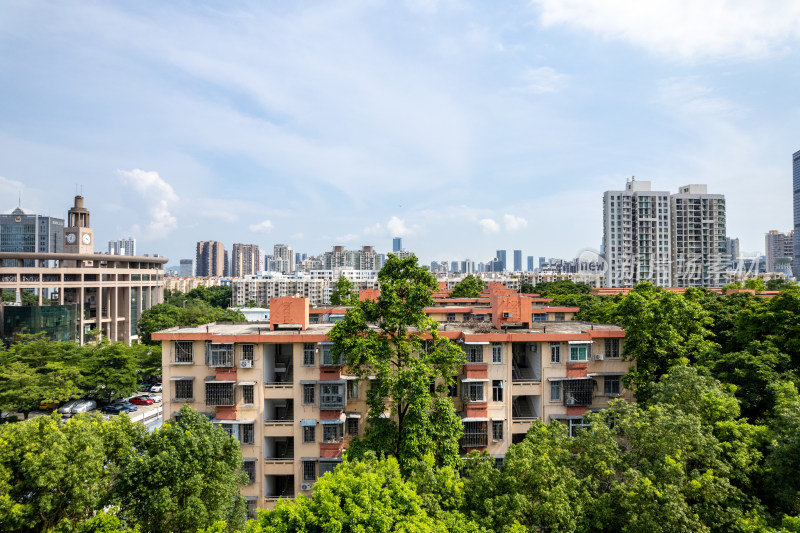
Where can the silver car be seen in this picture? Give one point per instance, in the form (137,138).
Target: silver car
(84,406)
(66,409)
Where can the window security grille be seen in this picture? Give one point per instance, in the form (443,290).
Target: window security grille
(219,354)
(246,434)
(331,396)
(248,351)
(309,470)
(248,394)
(497,353)
(220,394)
(352,389)
(352,427)
(308,393)
(475,391)
(251,509)
(474,354)
(611,385)
(184,389)
(308,354)
(475,434)
(326,466)
(183,352)
(555,353)
(332,433)
(327,355)
(555,391)
(612,349)
(249,468)
(578,391)
(497,429)
(309,434)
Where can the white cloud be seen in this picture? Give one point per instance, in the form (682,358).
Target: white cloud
(513,223)
(489,226)
(684,29)
(397,227)
(347,238)
(542,80)
(375,229)
(264,226)
(158,194)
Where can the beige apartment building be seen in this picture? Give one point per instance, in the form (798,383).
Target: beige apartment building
(275,387)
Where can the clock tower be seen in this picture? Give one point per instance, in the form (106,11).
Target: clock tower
(78,236)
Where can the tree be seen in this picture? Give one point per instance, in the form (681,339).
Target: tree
(184,476)
(469,287)
(156,318)
(549,289)
(392,339)
(196,311)
(344,292)
(367,495)
(110,371)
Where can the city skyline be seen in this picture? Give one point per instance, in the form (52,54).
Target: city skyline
(497,126)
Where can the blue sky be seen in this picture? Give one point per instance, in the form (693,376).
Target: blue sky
(464,127)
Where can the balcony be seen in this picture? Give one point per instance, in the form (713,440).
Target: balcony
(278,450)
(278,370)
(277,486)
(525,362)
(279,411)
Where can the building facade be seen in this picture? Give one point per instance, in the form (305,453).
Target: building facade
(796,204)
(364,259)
(245,260)
(699,247)
(276,388)
(186,269)
(517,260)
(22,231)
(779,249)
(211,259)
(122,247)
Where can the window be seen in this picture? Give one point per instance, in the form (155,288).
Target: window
(308,393)
(452,388)
(183,352)
(576,426)
(331,395)
(352,426)
(219,354)
(474,391)
(578,392)
(251,508)
(309,434)
(497,390)
(497,353)
(327,356)
(555,353)
(558,317)
(247,394)
(326,466)
(539,317)
(451,317)
(218,394)
(309,470)
(249,468)
(352,389)
(332,432)
(474,354)
(577,353)
(612,349)
(475,434)
(247,433)
(497,430)
(247,352)
(184,390)
(308,354)
(611,385)
(555,391)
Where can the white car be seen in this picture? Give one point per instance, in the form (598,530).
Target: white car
(66,409)
(155,397)
(156,388)
(84,406)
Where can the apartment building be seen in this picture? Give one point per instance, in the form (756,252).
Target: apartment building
(699,246)
(317,286)
(245,260)
(779,249)
(211,260)
(122,246)
(275,387)
(364,259)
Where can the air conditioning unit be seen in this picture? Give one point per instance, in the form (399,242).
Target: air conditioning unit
(305,486)
(246,363)
(598,357)
(508,315)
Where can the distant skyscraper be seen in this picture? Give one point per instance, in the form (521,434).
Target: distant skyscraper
(517,260)
(501,258)
(245,260)
(283,258)
(530,263)
(122,247)
(779,250)
(397,244)
(796,198)
(211,259)
(454,267)
(186,268)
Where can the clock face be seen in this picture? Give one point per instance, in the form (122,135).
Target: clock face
(87,238)
(71,238)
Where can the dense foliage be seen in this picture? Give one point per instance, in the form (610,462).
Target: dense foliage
(469,287)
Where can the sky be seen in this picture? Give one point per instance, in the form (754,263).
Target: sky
(462,127)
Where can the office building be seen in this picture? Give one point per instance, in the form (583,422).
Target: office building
(636,235)
(276,388)
(397,244)
(779,251)
(77,290)
(796,203)
(245,260)
(530,263)
(699,247)
(22,231)
(186,268)
(211,259)
(517,260)
(122,247)
(501,263)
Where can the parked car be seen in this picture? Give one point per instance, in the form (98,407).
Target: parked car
(155,397)
(113,409)
(84,406)
(139,400)
(126,405)
(144,387)
(46,406)
(66,409)
(156,388)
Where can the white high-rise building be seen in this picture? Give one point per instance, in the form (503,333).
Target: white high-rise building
(699,248)
(122,247)
(283,259)
(636,235)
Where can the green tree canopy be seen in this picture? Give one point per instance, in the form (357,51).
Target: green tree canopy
(393,339)
(344,292)
(469,287)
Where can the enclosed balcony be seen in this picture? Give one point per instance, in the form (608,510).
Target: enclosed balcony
(525,361)
(279,411)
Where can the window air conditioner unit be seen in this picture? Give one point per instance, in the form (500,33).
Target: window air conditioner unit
(598,357)
(246,363)
(305,486)
(508,315)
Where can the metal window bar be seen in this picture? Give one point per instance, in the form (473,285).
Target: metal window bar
(333,433)
(497,429)
(220,394)
(248,394)
(248,352)
(309,434)
(308,354)
(183,352)
(184,389)
(612,349)
(249,468)
(309,470)
(474,354)
(219,354)
(475,435)
(578,392)
(497,353)
(475,391)
(308,393)
(247,434)
(331,396)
